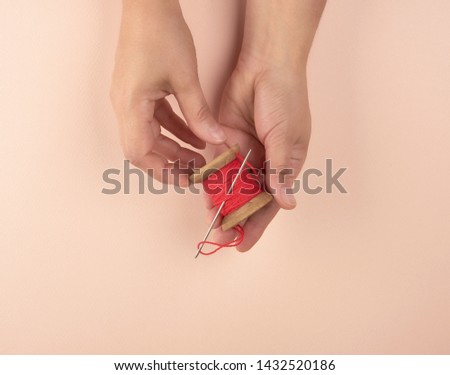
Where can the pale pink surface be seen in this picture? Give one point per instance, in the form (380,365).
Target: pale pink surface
(366,272)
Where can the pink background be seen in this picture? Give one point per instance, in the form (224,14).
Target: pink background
(366,272)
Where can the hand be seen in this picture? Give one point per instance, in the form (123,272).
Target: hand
(265,103)
(266,108)
(155,57)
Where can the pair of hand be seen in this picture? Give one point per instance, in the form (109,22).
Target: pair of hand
(264,106)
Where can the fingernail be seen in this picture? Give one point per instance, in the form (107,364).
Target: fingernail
(289,198)
(217,133)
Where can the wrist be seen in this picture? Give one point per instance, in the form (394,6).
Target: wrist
(280,33)
(151,9)
(260,60)
(150,4)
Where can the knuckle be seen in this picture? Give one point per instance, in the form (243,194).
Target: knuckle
(123,97)
(134,156)
(202,113)
(276,136)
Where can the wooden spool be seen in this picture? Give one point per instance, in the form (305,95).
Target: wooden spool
(248,209)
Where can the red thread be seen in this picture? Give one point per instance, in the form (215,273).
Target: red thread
(247,187)
(237,241)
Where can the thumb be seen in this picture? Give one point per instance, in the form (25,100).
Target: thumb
(198,115)
(279,172)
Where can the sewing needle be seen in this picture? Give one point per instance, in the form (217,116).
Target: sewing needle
(230,189)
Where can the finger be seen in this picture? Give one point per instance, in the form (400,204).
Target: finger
(211,211)
(139,131)
(207,200)
(280,178)
(223,237)
(174,124)
(246,141)
(198,115)
(210,215)
(257,224)
(283,123)
(162,170)
(279,172)
(173,151)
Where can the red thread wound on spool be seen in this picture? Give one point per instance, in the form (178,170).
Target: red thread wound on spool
(245,189)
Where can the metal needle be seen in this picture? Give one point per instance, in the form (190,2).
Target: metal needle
(230,189)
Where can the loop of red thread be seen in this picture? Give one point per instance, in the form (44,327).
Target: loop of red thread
(237,241)
(246,188)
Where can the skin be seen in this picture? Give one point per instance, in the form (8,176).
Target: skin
(155,58)
(264,105)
